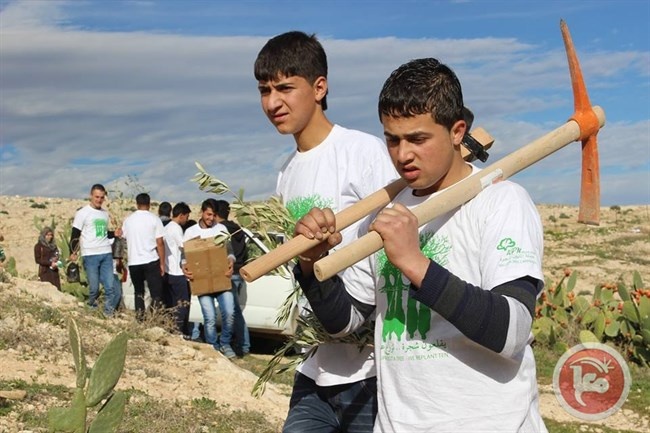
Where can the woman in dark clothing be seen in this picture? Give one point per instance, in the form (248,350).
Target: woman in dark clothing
(46,255)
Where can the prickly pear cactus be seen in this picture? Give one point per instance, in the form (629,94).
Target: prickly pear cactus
(72,419)
(616,312)
(110,415)
(104,376)
(77,354)
(107,370)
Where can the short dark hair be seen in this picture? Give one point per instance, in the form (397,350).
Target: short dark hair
(468,116)
(292,54)
(164,208)
(209,203)
(423,86)
(223,209)
(180,208)
(142,199)
(188,224)
(99,187)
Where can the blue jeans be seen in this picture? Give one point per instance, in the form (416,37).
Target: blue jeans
(99,268)
(226,302)
(117,289)
(241,330)
(349,408)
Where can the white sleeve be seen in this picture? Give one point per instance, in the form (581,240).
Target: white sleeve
(518,328)
(79,217)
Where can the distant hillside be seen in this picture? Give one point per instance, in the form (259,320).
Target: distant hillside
(619,246)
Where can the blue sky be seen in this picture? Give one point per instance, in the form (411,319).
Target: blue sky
(97,91)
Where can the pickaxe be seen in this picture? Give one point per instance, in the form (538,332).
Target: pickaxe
(584,115)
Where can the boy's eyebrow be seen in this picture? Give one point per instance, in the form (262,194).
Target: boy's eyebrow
(409,135)
(268,84)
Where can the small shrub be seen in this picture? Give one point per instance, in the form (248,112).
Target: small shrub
(552,218)
(204,403)
(39,223)
(38,205)
(564,216)
(5,277)
(10,267)
(78,290)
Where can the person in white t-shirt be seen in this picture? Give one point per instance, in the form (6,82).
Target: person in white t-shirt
(454,298)
(90,234)
(145,248)
(335,389)
(208,228)
(175,280)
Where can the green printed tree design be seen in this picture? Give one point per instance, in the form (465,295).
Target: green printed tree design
(417,316)
(299,206)
(394,286)
(414,316)
(101,227)
(437,249)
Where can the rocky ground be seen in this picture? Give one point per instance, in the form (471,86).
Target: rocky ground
(166,367)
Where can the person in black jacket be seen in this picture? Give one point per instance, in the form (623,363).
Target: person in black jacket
(238,241)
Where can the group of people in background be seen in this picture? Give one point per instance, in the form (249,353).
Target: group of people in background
(152,247)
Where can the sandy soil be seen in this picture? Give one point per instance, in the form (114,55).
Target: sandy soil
(616,248)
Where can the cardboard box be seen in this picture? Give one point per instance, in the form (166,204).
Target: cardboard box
(208,264)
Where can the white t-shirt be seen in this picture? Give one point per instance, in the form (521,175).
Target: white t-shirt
(93,224)
(431,377)
(141,229)
(196,231)
(347,166)
(173,237)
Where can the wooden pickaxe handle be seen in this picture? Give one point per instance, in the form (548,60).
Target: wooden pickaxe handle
(299,244)
(458,194)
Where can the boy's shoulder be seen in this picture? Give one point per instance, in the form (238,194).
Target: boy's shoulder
(502,193)
(88,210)
(355,145)
(339,132)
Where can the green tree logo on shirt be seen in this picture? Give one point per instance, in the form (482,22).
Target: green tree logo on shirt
(416,316)
(101,228)
(298,207)
(505,244)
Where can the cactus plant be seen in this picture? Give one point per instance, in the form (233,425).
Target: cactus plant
(92,389)
(615,313)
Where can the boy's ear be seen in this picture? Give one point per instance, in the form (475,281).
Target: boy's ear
(320,88)
(458,132)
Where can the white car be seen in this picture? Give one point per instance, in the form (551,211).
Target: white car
(260,300)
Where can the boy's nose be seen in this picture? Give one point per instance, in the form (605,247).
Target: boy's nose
(404,153)
(274,100)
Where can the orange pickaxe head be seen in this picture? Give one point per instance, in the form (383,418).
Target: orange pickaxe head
(587,120)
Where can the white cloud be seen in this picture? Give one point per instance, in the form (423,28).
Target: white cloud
(80,107)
